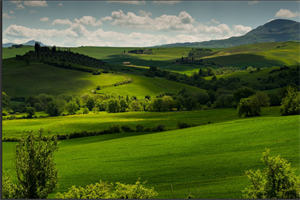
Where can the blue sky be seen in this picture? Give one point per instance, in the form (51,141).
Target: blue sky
(136,23)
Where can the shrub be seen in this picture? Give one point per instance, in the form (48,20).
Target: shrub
(36,172)
(290,104)
(135,106)
(249,107)
(30,112)
(9,189)
(183,125)
(104,190)
(90,103)
(139,128)
(85,110)
(277,180)
(159,128)
(126,128)
(115,129)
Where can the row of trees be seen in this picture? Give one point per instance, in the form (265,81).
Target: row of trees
(247,100)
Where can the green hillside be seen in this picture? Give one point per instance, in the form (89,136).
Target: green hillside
(20,79)
(208,161)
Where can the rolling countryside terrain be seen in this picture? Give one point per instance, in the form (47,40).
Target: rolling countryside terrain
(170,115)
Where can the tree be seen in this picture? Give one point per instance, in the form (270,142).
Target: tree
(249,107)
(123,105)
(290,104)
(30,112)
(5,100)
(72,107)
(90,103)
(135,106)
(262,98)
(243,92)
(35,167)
(55,107)
(9,189)
(276,180)
(37,48)
(113,106)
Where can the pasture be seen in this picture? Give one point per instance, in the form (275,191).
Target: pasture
(207,161)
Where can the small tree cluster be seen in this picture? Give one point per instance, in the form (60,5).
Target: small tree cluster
(276,181)
(290,104)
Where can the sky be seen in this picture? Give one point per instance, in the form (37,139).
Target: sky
(136,23)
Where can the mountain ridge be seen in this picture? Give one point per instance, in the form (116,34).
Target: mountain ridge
(278,30)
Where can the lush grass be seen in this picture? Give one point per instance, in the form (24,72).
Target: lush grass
(20,79)
(12,52)
(207,161)
(103,120)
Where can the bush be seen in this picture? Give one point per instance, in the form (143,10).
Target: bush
(290,104)
(262,98)
(85,110)
(104,190)
(276,181)
(30,112)
(183,125)
(249,107)
(159,128)
(115,129)
(9,189)
(135,106)
(126,128)
(113,106)
(36,172)
(139,128)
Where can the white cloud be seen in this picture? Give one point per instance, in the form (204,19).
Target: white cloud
(41,3)
(241,30)
(60,4)
(182,22)
(61,22)
(285,13)
(166,2)
(44,19)
(11,12)
(88,20)
(253,2)
(7,16)
(140,2)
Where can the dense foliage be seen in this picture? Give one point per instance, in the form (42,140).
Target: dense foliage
(290,104)
(104,190)
(276,180)
(36,172)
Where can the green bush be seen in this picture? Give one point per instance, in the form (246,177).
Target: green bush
(85,110)
(183,125)
(276,181)
(159,128)
(104,190)
(30,112)
(9,189)
(126,128)
(115,129)
(139,128)
(72,107)
(290,104)
(249,107)
(113,106)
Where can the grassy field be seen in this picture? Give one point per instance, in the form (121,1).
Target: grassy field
(20,79)
(260,55)
(12,52)
(103,120)
(206,161)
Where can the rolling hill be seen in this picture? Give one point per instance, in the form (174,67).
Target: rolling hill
(274,31)
(207,161)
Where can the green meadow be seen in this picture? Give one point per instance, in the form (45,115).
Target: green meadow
(207,161)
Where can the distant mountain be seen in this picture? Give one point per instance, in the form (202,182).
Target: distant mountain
(7,45)
(278,30)
(29,43)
